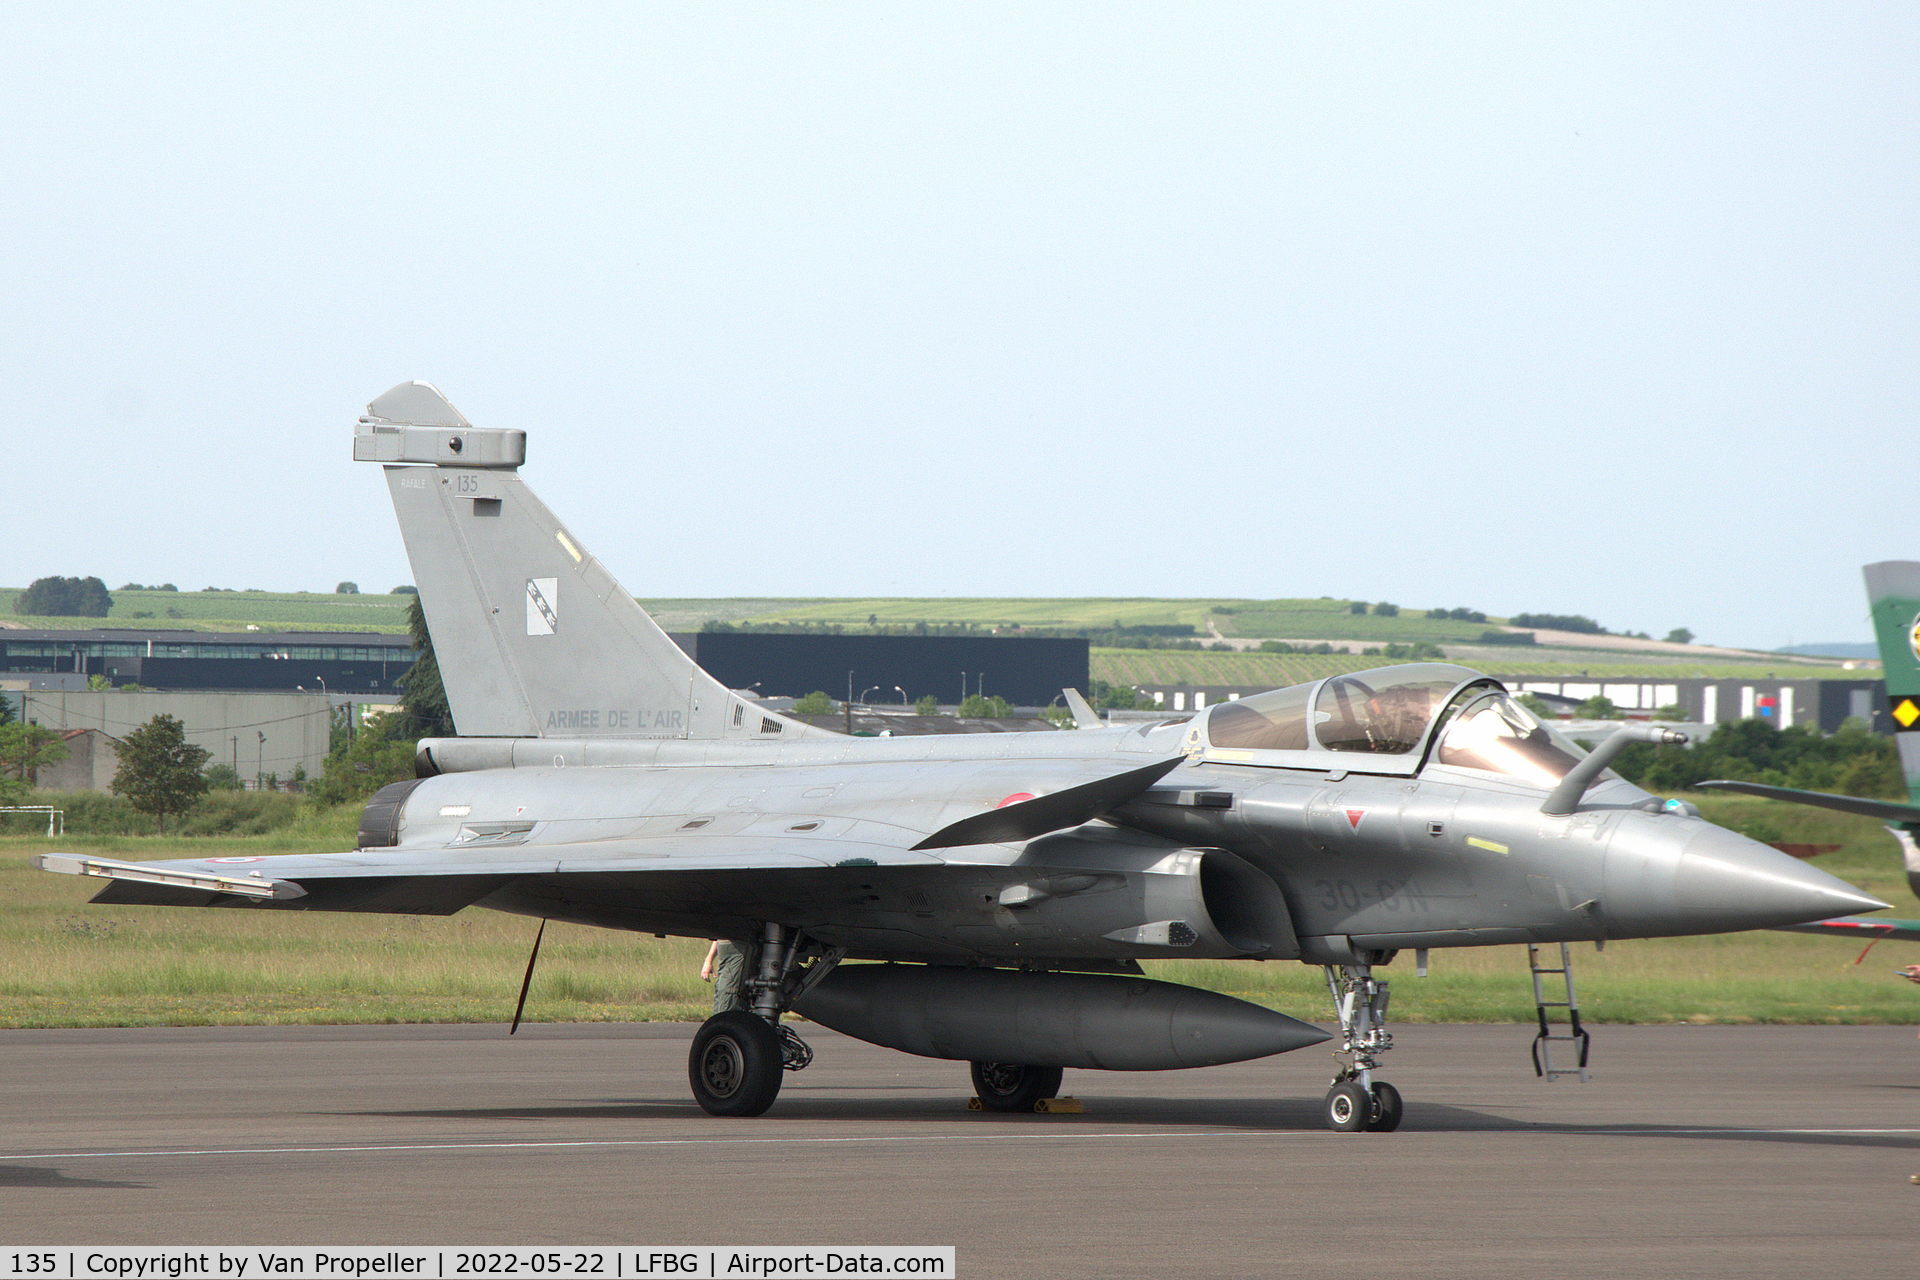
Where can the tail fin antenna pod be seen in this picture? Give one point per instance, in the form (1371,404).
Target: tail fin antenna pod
(534,637)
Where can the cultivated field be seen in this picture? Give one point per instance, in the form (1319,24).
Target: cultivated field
(66,963)
(232,611)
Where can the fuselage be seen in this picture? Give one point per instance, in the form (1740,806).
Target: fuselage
(1431,855)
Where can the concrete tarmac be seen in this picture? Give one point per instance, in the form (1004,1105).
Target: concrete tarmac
(1695,1152)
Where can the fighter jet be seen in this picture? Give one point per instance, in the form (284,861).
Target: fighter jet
(1002,888)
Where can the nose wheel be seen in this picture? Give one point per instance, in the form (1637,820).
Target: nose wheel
(1356,1108)
(1357,1103)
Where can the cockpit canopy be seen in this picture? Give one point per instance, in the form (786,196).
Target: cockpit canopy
(1380,721)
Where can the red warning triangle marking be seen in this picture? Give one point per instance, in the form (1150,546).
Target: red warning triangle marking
(1354,816)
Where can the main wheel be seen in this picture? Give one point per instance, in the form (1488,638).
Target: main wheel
(1014,1086)
(734,1065)
(1387,1108)
(1349,1108)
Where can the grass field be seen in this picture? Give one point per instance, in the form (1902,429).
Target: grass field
(1318,619)
(232,611)
(1093,612)
(1333,620)
(65,963)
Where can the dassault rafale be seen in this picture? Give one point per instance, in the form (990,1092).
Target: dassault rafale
(984,898)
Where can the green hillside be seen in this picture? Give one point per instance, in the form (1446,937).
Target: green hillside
(1097,612)
(324,611)
(232,611)
(1335,620)
(1319,619)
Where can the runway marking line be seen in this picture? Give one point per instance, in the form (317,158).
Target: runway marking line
(561,1144)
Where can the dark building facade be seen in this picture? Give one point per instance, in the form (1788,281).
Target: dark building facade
(253,661)
(1026,672)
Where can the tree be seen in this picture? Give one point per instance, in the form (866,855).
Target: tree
(1558,622)
(1120,697)
(1873,775)
(975,707)
(1536,704)
(422,695)
(1598,707)
(927,705)
(405,589)
(64,598)
(24,748)
(1357,607)
(347,589)
(382,752)
(816,703)
(1679,635)
(1419,650)
(1385,610)
(6,709)
(159,769)
(221,777)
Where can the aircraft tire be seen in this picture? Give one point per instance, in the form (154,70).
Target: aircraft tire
(1014,1086)
(1387,1108)
(734,1065)
(1349,1108)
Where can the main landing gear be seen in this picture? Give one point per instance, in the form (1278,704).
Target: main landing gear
(1357,1103)
(739,1058)
(1014,1086)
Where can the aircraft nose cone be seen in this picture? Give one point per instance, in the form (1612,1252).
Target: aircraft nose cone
(1725,882)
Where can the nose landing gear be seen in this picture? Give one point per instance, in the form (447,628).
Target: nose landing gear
(1357,1103)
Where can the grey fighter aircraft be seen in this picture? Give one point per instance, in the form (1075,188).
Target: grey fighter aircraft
(1009,884)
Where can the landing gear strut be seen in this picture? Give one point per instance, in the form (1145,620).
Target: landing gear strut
(1357,1103)
(739,1058)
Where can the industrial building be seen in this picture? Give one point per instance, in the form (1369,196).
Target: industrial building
(1821,704)
(255,734)
(1026,672)
(258,661)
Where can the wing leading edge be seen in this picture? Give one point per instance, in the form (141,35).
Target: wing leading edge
(440,881)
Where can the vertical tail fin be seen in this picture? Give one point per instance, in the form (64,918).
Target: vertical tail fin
(1893,594)
(533,636)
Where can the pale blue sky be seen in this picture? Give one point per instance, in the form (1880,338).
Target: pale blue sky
(1597,308)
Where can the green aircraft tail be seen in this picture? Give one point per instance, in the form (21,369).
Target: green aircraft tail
(1893,594)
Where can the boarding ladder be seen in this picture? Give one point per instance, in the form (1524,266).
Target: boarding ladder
(1569,1034)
